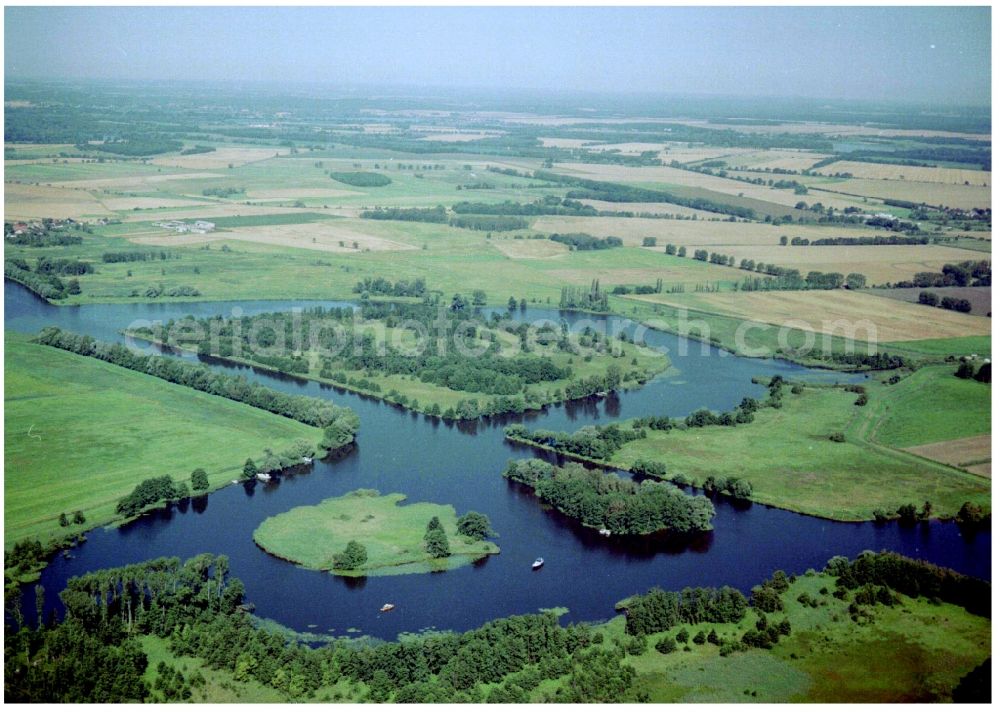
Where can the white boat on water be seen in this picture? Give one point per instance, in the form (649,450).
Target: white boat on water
(386,607)
(539,562)
(604,531)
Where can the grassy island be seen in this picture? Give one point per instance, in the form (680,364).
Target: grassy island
(393,536)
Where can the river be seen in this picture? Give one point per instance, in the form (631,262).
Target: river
(460,464)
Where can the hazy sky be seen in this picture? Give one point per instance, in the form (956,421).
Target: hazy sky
(921,54)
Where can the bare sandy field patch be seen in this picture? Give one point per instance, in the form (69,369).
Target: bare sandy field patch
(967,453)
(530,249)
(26,202)
(920,174)
(837,312)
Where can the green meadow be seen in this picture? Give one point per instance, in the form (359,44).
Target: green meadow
(81,433)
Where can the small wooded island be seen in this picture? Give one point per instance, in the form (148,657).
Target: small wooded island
(364,533)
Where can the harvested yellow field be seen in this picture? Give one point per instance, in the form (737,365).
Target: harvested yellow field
(220,158)
(27,202)
(294,193)
(655,208)
(670,273)
(973,454)
(143,203)
(838,312)
(530,249)
(684,153)
(136,182)
(321,236)
(952,195)
(632,149)
(379,128)
(678,176)
(460,136)
(165,238)
(564,142)
(832,129)
(787,160)
(983,469)
(219,210)
(921,174)
(697,233)
(880,264)
(36,148)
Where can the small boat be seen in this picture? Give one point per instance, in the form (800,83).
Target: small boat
(604,531)
(386,607)
(264,476)
(236,482)
(307,460)
(539,562)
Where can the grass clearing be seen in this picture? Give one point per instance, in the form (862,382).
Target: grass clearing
(81,433)
(221,686)
(391,532)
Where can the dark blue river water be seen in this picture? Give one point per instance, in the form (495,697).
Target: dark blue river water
(460,464)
